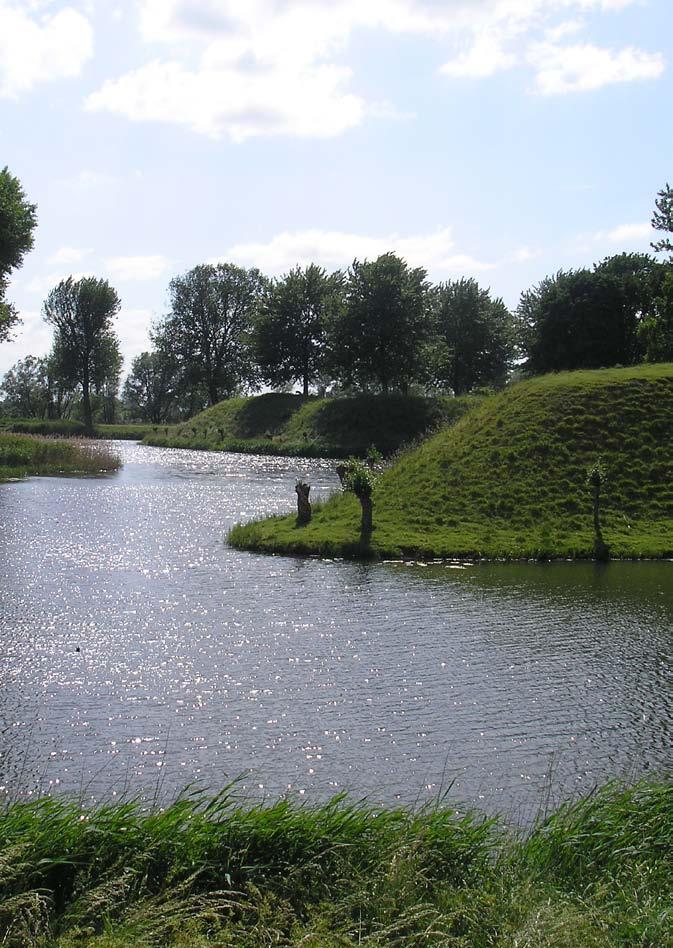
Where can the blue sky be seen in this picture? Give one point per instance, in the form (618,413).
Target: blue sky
(500,139)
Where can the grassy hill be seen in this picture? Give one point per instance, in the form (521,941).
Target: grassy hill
(315,427)
(509,479)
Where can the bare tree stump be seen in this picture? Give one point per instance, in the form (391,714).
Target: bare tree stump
(303,503)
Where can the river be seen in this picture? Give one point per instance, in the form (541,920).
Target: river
(141,655)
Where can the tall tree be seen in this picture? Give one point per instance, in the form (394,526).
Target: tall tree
(662,219)
(378,337)
(18,219)
(476,336)
(210,324)
(291,329)
(86,350)
(152,387)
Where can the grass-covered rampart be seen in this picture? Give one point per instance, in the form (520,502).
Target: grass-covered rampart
(316,427)
(23,455)
(509,479)
(214,872)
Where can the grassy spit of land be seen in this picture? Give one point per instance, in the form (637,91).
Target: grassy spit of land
(509,479)
(291,425)
(213,872)
(65,428)
(23,455)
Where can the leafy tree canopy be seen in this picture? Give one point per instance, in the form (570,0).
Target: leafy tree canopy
(86,349)
(18,219)
(291,329)
(210,325)
(662,219)
(378,337)
(475,337)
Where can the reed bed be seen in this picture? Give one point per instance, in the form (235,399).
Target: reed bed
(23,455)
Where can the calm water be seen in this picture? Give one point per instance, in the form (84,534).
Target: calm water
(509,683)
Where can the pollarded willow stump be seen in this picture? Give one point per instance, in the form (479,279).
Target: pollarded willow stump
(303,503)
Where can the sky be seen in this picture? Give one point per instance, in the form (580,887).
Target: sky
(496,139)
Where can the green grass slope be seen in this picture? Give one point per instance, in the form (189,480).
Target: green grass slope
(595,874)
(315,427)
(508,480)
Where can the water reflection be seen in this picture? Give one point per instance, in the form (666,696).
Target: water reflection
(139,653)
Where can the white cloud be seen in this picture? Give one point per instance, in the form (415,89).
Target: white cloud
(38,47)
(276,67)
(137,268)
(337,249)
(47,281)
(66,255)
(34,337)
(132,327)
(624,234)
(583,67)
(220,100)
(484,58)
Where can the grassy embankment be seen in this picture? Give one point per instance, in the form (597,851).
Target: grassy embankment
(509,479)
(595,873)
(23,455)
(62,427)
(318,427)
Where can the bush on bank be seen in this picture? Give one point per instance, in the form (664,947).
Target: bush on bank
(215,872)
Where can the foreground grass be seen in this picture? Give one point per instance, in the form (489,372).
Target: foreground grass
(24,455)
(291,425)
(213,872)
(509,479)
(63,427)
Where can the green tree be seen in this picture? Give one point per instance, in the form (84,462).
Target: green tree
(25,389)
(210,324)
(378,337)
(662,219)
(152,388)
(656,330)
(18,219)
(86,350)
(475,334)
(291,328)
(590,318)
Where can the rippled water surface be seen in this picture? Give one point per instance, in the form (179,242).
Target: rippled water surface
(139,654)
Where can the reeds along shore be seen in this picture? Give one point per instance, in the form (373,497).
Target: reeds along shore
(597,872)
(23,455)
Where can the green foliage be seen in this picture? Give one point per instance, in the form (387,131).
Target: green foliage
(589,318)
(475,336)
(656,330)
(379,335)
(18,219)
(359,478)
(314,427)
(291,328)
(508,479)
(86,349)
(152,386)
(25,389)
(595,874)
(662,219)
(208,328)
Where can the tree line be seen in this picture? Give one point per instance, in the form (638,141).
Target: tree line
(379,326)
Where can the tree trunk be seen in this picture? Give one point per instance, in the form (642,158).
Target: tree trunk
(303,503)
(306,386)
(86,403)
(601,549)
